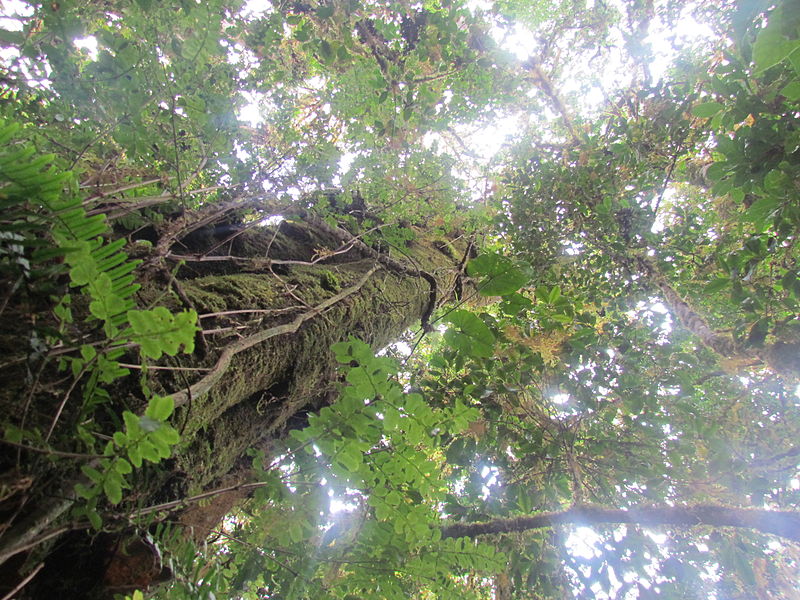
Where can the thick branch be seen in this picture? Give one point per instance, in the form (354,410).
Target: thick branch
(785,524)
(689,318)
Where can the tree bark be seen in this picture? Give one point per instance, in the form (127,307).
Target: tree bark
(785,524)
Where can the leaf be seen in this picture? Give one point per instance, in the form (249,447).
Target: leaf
(771,47)
(84,492)
(131,424)
(717,284)
(160,407)
(761,211)
(88,352)
(12,433)
(92,474)
(502,275)
(792,91)
(122,466)
(169,435)
(105,303)
(149,452)
(12,38)
(94,519)
(353,349)
(707,109)
(325,11)
(113,490)
(325,50)
(471,335)
(160,332)
(135,456)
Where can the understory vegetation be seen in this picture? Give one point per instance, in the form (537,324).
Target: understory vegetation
(346,299)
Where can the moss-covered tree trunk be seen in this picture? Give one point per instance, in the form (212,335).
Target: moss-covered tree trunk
(267,384)
(271,300)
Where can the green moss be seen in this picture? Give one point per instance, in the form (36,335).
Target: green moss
(446,248)
(242,291)
(330,281)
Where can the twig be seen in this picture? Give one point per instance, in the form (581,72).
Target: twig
(225,313)
(51,452)
(24,582)
(191,499)
(161,368)
(64,401)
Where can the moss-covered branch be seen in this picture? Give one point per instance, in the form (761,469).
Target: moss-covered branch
(785,524)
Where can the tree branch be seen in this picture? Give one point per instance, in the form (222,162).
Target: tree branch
(785,524)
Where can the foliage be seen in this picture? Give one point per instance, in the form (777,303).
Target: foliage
(39,200)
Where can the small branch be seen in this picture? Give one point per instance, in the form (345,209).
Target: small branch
(192,499)
(160,368)
(24,582)
(124,188)
(52,452)
(257,311)
(64,402)
(545,84)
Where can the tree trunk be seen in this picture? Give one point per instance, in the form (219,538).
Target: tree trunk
(272,302)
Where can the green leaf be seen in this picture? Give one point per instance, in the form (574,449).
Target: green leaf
(149,452)
(351,350)
(160,332)
(105,303)
(12,38)
(707,109)
(113,490)
(761,211)
(169,435)
(325,11)
(160,407)
(325,50)
(792,91)
(131,424)
(135,456)
(85,492)
(122,466)
(469,334)
(13,433)
(501,275)
(350,458)
(94,519)
(717,284)
(771,47)
(92,474)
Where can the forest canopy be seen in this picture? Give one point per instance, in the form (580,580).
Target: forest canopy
(491,299)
